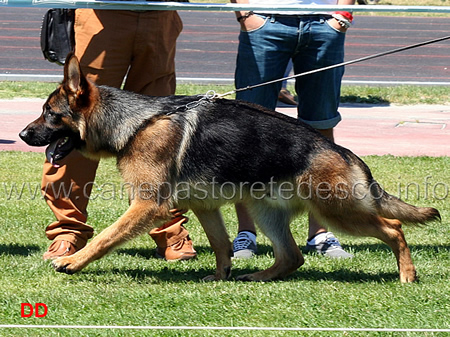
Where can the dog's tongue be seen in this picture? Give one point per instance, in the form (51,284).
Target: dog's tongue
(58,149)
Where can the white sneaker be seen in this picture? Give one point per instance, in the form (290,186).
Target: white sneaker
(327,244)
(244,246)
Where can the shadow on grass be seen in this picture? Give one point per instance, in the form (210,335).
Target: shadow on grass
(18,250)
(370,99)
(340,275)
(196,275)
(146,253)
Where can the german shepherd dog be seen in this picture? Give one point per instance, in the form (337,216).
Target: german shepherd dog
(199,153)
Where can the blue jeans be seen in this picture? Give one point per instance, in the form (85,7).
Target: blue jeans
(311,43)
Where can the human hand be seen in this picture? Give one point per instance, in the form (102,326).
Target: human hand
(253,22)
(336,25)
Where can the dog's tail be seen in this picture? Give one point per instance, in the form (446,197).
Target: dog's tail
(392,207)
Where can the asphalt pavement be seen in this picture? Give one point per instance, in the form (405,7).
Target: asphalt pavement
(207,46)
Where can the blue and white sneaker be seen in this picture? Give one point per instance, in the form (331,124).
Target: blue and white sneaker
(327,244)
(244,245)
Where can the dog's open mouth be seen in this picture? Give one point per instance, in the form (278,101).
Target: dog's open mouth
(59,149)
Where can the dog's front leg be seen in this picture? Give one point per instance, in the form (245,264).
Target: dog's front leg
(216,232)
(139,218)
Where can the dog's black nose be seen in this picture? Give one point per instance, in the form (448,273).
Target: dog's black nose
(25,134)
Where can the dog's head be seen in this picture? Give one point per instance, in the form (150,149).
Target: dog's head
(62,124)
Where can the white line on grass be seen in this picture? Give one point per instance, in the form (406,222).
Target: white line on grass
(12,326)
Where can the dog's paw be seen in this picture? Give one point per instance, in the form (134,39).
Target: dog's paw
(65,265)
(255,277)
(245,278)
(216,277)
(210,278)
(221,274)
(409,276)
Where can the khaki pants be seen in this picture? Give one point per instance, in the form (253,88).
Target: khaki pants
(110,45)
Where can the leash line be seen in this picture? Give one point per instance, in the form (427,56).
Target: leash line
(365,58)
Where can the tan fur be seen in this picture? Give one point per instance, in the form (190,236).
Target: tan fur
(334,185)
(149,161)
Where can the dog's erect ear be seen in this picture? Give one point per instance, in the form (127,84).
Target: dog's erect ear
(73,77)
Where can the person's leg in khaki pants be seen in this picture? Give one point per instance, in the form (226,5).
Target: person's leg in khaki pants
(107,51)
(66,190)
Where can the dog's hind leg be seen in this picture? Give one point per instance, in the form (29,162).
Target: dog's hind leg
(387,230)
(274,223)
(216,232)
(139,218)
(390,231)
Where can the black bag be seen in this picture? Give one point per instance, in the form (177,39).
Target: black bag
(57,34)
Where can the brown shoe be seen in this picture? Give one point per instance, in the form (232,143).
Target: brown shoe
(172,240)
(181,251)
(286,97)
(59,248)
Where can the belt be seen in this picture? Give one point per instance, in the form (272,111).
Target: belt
(296,15)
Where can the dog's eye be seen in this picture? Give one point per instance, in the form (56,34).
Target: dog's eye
(52,116)
(48,110)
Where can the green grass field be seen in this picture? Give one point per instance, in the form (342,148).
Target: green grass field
(403,94)
(131,287)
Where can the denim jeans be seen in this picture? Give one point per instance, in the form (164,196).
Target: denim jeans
(311,43)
